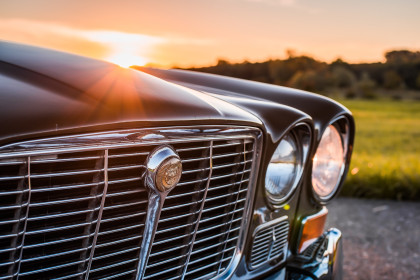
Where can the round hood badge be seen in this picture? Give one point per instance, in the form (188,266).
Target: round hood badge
(164,169)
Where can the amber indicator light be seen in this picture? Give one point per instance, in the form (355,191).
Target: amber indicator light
(313,227)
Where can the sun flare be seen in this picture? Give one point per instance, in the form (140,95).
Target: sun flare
(126,59)
(125,49)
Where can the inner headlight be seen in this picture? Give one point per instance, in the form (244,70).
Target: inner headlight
(284,169)
(328,163)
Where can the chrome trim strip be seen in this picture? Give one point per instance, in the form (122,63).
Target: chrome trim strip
(66,187)
(119,274)
(115,253)
(28,162)
(172,238)
(200,212)
(119,229)
(236,204)
(59,228)
(71,173)
(53,267)
(64,201)
(213,255)
(118,241)
(123,139)
(58,241)
(169,250)
(153,213)
(114,265)
(232,154)
(257,150)
(70,159)
(53,216)
(57,254)
(123,217)
(98,222)
(219,225)
(217,235)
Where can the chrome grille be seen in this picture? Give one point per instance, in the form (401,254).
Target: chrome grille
(63,213)
(270,242)
(14,201)
(76,207)
(210,216)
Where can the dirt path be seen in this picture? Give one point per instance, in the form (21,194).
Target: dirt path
(381,238)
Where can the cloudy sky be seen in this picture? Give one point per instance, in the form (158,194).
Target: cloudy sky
(198,32)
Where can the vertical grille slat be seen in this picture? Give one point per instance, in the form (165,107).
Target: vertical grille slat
(61,221)
(75,207)
(123,217)
(14,204)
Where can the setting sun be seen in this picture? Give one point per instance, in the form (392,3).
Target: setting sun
(126,49)
(126,59)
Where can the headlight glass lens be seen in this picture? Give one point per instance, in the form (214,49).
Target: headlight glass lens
(283,169)
(328,163)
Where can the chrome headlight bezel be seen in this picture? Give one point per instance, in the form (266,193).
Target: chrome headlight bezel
(301,135)
(342,126)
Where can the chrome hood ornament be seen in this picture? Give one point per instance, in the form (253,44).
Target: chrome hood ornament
(164,169)
(163,172)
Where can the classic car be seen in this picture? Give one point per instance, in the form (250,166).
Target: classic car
(116,173)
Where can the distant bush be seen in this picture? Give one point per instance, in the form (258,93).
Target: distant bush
(366,87)
(350,94)
(343,77)
(392,80)
(400,71)
(308,80)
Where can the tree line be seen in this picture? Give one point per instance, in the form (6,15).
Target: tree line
(400,71)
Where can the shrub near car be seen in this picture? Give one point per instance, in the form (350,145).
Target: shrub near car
(113,173)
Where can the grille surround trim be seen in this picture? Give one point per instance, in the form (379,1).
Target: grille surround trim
(126,139)
(146,137)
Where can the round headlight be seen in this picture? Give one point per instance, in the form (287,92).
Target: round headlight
(328,163)
(283,169)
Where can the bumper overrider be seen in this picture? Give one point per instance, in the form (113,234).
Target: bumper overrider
(322,260)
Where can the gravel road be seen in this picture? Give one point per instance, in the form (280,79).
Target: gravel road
(381,238)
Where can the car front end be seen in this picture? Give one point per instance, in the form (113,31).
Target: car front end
(112,173)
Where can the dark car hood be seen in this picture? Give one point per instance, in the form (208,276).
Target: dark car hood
(318,108)
(44,91)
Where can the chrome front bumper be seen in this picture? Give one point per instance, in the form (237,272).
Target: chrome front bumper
(328,263)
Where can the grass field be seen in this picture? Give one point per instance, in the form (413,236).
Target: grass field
(386,157)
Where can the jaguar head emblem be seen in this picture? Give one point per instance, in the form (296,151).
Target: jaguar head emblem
(164,169)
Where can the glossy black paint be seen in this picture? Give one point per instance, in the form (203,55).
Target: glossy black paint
(46,93)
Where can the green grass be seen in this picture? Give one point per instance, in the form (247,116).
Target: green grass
(386,156)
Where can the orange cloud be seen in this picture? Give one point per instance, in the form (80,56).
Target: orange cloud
(119,47)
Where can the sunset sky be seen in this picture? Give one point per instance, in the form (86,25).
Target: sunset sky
(198,32)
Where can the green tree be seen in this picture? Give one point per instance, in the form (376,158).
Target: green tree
(392,80)
(343,77)
(418,81)
(402,57)
(308,80)
(367,86)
